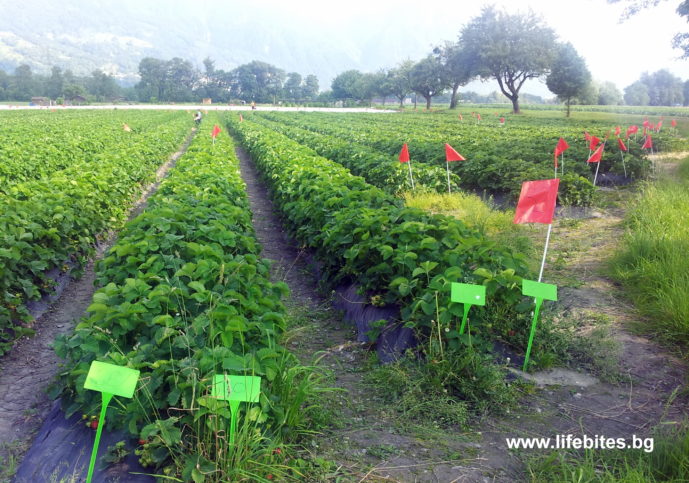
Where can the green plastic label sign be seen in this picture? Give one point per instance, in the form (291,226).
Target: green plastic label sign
(539,290)
(236,388)
(465,293)
(111,379)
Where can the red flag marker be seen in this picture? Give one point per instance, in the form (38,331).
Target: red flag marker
(623,149)
(460,117)
(597,155)
(537,205)
(404,154)
(659,125)
(451,154)
(587,136)
(673,123)
(537,201)
(404,158)
(617,130)
(648,143)
(560,148)
(502,120)
(241,118)
(216,131)
(620,143)
(593,142)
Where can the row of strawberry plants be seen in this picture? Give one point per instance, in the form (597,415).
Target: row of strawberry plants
(399,256)
(499,159)
(185,295)
(378,169)
(51,224)
(37,145)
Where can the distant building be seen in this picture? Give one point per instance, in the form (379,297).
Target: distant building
(207,100)
(41,101)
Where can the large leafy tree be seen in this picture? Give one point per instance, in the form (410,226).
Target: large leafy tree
(509,48)
(568,76)
(292,88)
(347,85)
(459,67)
(428,78)
(399,80)
(257,81)
(310,87)
(55,83)
(664,89)
(636,94)
(609,94)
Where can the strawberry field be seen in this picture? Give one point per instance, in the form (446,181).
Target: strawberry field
(194,286)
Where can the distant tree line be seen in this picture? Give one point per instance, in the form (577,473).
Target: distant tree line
(507,48)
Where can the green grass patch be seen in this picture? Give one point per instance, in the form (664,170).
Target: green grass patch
(479,214)
(652,264)
(668,462)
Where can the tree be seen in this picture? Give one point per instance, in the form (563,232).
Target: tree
(152,83)
(428,78)
(569,75)
(589,95)
(636,94)
(180,78)
(256,81)
(5,85)
(459,67)
(509,48)
(310,87)
(55,83)
(399,80)
(344,85)
(71,91)
(22,85)
(292,88)
(664,89)
(102,85)
(685,91)
(609,94)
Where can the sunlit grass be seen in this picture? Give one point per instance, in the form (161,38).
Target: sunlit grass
(471,209)
(653,264)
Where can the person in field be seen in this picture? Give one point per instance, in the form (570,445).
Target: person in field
(197,117)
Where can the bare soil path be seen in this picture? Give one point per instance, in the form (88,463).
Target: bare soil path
(31,364)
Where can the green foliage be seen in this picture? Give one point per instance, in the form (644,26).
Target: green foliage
(575,190)
(568,74)
(183,296)
(53,223)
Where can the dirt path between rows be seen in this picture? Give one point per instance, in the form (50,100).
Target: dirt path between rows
(368,442)
(31,364)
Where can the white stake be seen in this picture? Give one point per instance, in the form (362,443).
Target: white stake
(596,175)
(545,252)
(623,165)
(411,177)
(562,163)
(447,165)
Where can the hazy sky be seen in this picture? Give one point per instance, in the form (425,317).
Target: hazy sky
(614,51)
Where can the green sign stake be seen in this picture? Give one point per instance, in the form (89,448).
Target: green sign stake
(467,294)
(235,389)
(110,380)
(540,291)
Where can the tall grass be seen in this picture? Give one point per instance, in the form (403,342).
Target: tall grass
(476,213)
(653,264)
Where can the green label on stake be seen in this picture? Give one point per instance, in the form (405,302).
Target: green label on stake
(110,380)
(467,294)
(541,291)
(235,389)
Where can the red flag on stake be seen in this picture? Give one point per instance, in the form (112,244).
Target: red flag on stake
(560,148)
(460,117)
(404,154)
(597,154)
(452,155)
(633,129)
(216,131)
(537,205)
(478,117)
(537,201)
(241,118)
(593,142)
(617,130)
(502,120)
(620,143)
(648,143)
(659,125)
(587,136)
(673,123)
(404,158)
(623,149)
(595,158)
